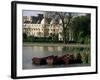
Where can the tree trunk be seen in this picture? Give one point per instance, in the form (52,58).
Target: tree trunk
(64,35)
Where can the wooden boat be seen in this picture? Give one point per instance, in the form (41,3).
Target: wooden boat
(57,60)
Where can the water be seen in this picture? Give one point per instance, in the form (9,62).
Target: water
(31,51)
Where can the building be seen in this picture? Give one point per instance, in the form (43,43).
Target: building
(27,19)
(43,29)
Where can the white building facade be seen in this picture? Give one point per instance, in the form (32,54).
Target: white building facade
(43,29)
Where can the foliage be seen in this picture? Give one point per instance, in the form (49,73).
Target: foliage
(42,39)
(81,28)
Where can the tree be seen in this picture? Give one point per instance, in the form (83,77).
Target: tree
(81,28)
(24,36)
(66,19)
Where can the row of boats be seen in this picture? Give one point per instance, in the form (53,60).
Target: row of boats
(58,60)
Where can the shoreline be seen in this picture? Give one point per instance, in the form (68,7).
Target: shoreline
(56,66)
(56,44)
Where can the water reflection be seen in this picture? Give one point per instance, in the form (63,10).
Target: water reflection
(43,51)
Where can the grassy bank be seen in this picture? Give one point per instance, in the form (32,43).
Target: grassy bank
(56,44)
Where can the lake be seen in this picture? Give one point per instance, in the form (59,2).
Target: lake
(30,51)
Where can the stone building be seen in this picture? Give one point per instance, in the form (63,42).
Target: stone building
(44,29)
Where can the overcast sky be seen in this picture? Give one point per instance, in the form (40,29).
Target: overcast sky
(35,13)
(31,13)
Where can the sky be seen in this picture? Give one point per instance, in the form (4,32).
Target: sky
(35,13)
(31,13)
